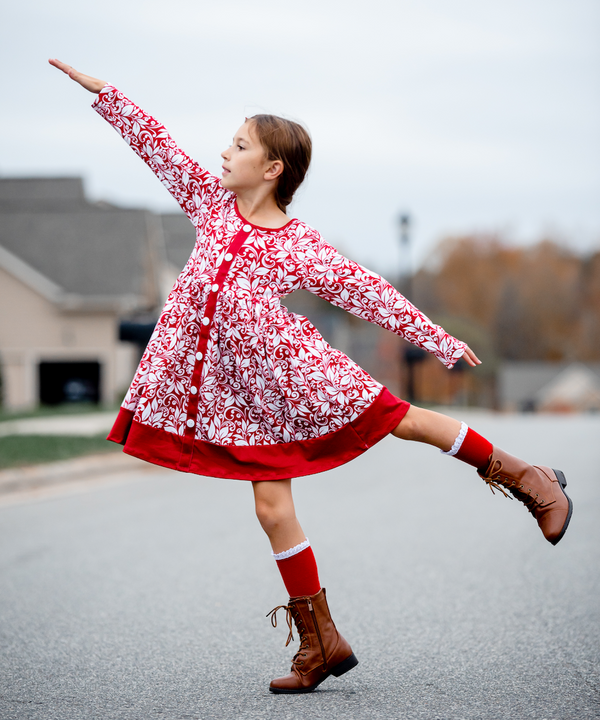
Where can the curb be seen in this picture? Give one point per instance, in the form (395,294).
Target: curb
(33,477)
(85,425)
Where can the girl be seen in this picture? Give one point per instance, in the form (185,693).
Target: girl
(233,385)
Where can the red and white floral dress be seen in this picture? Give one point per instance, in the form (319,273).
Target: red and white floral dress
(232,384)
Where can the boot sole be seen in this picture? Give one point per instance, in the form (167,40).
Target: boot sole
(341,668)
(562,480)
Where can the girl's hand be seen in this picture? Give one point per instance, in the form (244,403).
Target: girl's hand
(89,83)
(470,358)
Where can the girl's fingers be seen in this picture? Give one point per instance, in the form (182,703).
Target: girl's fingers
(470,357)
(67,69)
(60,65)
(89,83)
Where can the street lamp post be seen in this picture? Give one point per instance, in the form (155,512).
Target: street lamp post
(411,355)
(405,253)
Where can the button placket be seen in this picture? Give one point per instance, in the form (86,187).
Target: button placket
(203,336)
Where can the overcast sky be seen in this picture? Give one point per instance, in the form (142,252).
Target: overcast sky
(472,115)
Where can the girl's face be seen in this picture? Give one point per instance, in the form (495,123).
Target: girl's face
(245,166)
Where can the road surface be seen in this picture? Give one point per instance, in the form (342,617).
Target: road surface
(145,596)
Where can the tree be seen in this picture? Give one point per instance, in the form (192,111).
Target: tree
(536,303)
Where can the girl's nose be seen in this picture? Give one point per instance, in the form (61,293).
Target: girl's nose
(224,154)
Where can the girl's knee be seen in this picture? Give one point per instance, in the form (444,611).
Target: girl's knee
(272,515)
(408,429)
(417,424)
(274,504)
(264,512)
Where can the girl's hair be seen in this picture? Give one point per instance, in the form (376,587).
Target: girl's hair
(290,143)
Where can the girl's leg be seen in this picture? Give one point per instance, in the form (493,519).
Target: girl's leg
(276,513)
(291,549)
(449,435)
(428,427)
(540,488)
(323,651)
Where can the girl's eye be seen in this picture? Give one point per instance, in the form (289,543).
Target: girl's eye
(240,147)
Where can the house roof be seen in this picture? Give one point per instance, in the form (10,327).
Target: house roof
(43,191)
(88,250)
(576,386)
(56,294)
(180,236)
(522,384)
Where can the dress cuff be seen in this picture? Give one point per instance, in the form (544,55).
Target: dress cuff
(100,96)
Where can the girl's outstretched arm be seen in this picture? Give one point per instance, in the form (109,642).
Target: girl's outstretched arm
(89,83)
(342,282)
(183,177)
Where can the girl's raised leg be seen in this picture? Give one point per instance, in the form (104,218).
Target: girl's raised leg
(539,488)
(428,427)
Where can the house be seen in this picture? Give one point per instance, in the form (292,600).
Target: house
(574,389)
(71,271)
(549,387)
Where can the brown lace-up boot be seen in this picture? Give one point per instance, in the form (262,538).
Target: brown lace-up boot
(322,652)
(539,488)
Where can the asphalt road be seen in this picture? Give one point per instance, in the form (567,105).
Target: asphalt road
(145,596)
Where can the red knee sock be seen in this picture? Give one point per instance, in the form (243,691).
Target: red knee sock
(475,450)
(299,571)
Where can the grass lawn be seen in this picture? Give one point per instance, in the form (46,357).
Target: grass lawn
(19,450)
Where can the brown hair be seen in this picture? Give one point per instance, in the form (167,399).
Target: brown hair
(290,143)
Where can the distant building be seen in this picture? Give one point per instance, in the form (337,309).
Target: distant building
(70,272)
(549,387)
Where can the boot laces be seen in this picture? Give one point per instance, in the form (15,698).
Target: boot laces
(303,636)
(290,615)
(494,479)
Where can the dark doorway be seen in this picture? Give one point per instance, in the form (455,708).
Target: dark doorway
(69,382)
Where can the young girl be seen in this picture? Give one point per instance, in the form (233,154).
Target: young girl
(233,385)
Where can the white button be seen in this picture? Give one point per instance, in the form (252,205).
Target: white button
(228,257)
(247,228)
(199,356)
(190,423)
(215,287)
(193,389)
(205,321)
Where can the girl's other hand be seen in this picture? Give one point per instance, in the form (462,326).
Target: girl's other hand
(89,83)
(470,358)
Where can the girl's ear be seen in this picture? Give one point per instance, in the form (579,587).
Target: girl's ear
(274,170)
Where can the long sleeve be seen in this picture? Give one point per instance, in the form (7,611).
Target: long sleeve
(182,176)
(343,282)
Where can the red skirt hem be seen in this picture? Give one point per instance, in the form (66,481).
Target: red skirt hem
(263,462)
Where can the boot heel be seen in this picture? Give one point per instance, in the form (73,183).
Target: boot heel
(560,476)
(345,665)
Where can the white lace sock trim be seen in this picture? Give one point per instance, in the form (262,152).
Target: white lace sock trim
(292,551)
(464,428)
